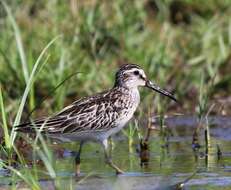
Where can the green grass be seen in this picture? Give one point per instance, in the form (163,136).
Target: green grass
(97,36)
(9,137)
(43,42)
(131,132)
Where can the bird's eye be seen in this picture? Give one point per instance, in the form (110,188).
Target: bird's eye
(136,72)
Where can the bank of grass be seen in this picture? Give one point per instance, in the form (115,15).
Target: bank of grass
(176,43)
(8,146)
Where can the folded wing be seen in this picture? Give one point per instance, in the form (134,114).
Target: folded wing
(83,115)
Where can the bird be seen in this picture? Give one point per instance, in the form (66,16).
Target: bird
(97,117)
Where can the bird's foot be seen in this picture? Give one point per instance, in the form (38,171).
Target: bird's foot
(119,171)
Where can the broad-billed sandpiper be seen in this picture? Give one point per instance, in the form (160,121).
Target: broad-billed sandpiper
(97,117)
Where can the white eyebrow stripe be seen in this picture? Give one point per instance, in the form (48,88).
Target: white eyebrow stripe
(132,70)
(135,69)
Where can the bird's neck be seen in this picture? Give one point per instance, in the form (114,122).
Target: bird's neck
(132,93)
(125,85)
(127,90)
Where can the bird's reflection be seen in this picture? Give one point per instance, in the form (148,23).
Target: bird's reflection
(144,153)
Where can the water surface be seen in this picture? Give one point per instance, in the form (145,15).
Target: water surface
(169,159)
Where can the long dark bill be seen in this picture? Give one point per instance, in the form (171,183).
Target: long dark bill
(152,86)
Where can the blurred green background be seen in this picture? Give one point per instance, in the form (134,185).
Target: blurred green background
(184,46)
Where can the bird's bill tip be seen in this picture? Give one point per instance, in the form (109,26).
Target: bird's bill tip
(156,88)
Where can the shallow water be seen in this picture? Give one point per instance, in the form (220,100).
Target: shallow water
(169,160)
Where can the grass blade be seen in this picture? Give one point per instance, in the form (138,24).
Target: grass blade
(25,178)
(5,128)
(30,82)
(18,41)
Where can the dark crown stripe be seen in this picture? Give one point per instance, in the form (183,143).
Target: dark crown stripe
(129,66)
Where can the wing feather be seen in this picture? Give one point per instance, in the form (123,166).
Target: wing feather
(87,114)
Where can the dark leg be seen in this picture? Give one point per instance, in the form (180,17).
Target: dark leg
(108,159)
(77,158)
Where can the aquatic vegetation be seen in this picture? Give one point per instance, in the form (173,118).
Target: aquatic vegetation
(184,45)
(131,131)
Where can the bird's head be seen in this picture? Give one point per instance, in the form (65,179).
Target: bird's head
(133,76)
